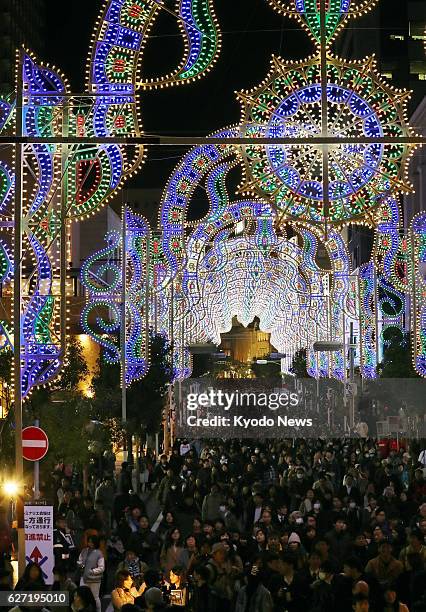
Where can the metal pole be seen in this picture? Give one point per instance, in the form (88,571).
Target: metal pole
(36,471)
(63,234)
(352,372)
(189,141)
(17,315)
(376,314)
(123,322)
(147,288)
(414,325)
(324,116)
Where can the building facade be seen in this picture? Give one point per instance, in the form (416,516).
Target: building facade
(22,22)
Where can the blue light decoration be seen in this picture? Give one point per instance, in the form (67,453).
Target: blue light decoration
(102,277)
(287,104)
(68,184)
(180,188)
(418,298)
(368,320)
(5,113)
(187,280)
(41,348)
(202,41)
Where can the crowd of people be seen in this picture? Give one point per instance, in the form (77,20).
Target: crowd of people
(278,526)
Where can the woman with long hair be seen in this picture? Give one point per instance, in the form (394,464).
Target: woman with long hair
(92,563)
(168,522)
(125,591)
(32,579)
(259,542)
(391,601)
(178,588)
(172,551)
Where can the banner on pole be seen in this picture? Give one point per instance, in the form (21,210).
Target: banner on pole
(38,526)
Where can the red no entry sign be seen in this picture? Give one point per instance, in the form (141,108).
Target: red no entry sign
(34,443)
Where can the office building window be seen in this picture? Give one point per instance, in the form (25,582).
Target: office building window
(417,30)
(418,67)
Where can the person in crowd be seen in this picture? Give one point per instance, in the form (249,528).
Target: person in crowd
(391,601)
(104,494)
(92,565)
(125,591)
(287,589)
(416,545)
(361,603)
(64,548)
(132,564)
(201,600)
(172,551)
(144,542)
(339,539)
(84,600)
(32,579)
(324,594)
(154,600)
(62,582)
(190,554)
(222,577)
(254,596)
(211,505)
(5,535)
(384,567)
(167,523)
(177,589)
(160,469)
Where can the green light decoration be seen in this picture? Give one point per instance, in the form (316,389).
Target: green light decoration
(359,105)
(308,13)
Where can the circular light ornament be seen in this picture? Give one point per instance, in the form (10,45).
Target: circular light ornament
(360,107)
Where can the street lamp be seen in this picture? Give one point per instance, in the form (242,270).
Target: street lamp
(11,488)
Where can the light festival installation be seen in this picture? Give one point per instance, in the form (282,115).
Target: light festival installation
(60,183)
(237,261)
(289,103)
(114,307)
(186,280)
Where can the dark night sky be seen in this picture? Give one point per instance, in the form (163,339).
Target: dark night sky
(252,32)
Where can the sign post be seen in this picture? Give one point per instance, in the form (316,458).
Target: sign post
(38,526)
(35,444)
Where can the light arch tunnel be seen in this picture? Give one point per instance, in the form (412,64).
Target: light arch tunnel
(159,287)
(192,278)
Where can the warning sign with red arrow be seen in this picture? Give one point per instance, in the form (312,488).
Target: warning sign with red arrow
(39,539)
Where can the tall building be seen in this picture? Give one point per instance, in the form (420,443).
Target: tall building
(22,22)
(395,32)
(416,202)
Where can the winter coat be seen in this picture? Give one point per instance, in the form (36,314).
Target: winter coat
(210,508)
(93,564)
(261,600)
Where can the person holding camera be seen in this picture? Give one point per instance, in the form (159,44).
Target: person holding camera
(254,597)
